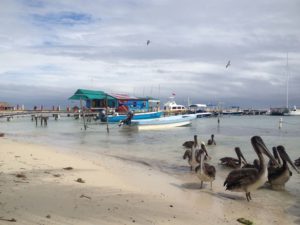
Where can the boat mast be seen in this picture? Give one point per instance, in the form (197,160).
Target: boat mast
(287,80)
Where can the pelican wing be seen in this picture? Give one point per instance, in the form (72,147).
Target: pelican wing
(240,177)
(188,144)
(232,164)
(226,159)
(188,153)
(210,170)
(297,162)
(274,173)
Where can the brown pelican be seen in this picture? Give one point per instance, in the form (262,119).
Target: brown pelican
(205,172)
(211,141)
(206,156)
(254,165)
(233,162)
(278,176)
(188,144)
(297,162)
(191,153)
(249,179)
(276,156)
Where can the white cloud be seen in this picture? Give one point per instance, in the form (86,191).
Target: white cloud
(101,44)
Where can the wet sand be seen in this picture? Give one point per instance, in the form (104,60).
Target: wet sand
(36,189)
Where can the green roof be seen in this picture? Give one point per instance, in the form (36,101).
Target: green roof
(89,95)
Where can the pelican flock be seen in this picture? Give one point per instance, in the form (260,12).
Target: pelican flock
(245,177)
(249,179)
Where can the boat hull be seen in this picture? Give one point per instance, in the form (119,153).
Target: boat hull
(293,113)
(138,116)
(163,126)
(160,123)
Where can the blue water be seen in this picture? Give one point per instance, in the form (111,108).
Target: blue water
(165,145)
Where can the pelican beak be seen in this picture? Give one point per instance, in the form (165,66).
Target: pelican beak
(242,156)
(285,156)
(245,161)
(275,153)
(203,147)
(259,145)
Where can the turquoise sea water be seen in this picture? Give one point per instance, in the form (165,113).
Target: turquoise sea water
(162,150)
(165,144)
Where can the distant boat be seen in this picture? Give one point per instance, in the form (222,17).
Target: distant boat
(234,110)
(160,123)
(200,110)
(280,111)
(172,107)
(137,116)
(293,112)
(203,114)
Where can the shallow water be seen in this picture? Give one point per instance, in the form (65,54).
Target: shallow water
(161,145)
(162,150)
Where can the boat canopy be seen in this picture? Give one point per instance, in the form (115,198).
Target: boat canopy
(198,106)
(120,102)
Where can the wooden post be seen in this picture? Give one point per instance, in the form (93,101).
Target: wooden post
(84,124)
(107,128)
(36,119)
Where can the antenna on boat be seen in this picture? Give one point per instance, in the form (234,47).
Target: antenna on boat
(287,80)
(158,91)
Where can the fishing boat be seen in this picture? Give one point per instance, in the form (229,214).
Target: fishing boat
(233,111)
(172,107)
(137,116)
(200,110)
(287,111)
(160,123)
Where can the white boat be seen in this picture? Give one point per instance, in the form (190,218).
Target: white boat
(293,112)
(137,116)
(160,123)
(200,110)
(172,107)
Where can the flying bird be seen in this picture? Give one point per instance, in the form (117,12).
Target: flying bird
(228,64)
(148,42)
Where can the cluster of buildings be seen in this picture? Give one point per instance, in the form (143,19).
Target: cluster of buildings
(99,100)
(5,106)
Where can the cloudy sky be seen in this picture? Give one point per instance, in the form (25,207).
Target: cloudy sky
(49,49)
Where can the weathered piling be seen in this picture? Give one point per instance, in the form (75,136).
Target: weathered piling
(9,118)
(44,120)
(36,119)
(56,116)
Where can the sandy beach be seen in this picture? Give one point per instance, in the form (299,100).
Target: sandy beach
(45,185)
